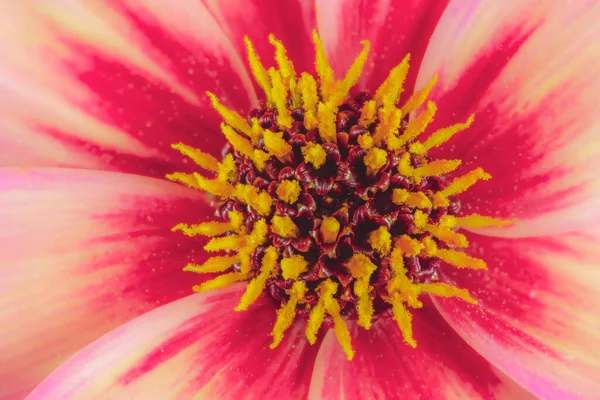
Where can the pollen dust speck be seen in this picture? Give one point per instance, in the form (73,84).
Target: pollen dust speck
(326,201)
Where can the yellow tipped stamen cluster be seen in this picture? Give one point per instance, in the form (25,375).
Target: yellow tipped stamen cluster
(268,195)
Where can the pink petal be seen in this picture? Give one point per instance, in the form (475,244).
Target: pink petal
(442,365)
(538,318)
(81,252)
(197,347)
(393,28)
(111,84)
(528,72)
(291,21)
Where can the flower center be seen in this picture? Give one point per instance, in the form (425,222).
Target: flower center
(326,201)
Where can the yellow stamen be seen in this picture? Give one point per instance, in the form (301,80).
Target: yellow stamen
(248,194)
(204,160)
(453,257)
(390,119)
(435,168)
(444,290)
(257,131)
(323,68)
(476,221)
(238,142)
(187,179)
(464,182)
(409,246)
(236,220)
(231,117)
(214,264)
(411,199)
(444,234)
(286,67)
(257,285)
(365,141)
(279,93)
(310,99)
(205,229)
(381,240)
(341,330)
(343,87)
(400,283)
(284,227)
(418,98)
(374,160)
(277,146)
(226,169)
(260,158)
(439,200)
(315,154)
(387,94)
(287,312)
(327,129)
(404,320)
(360,266)
(364,306)
(258,70)
(289,191)
(440,136)
(330,227)
(214,186)
(232,242)
(221,281)
(292,267)
(368,113)
(418,124)
(326,290)
(256,238)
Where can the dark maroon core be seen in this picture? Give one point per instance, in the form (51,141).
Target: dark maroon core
(340,188)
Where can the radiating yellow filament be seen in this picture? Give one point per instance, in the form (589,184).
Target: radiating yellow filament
(440,136)
(257,285)
(276,146)
(221,281)
(342,88)
(389,122)
(444,290)
(476,221)
(374,160)
(226,169)
(435,168)
(330,228)
(315,154)
(409,246)
(389,91)
(214,186)
(411,199)
(286,67)
(443,233)
(368,112)
(206,229)
(284,227)
(260,158)
(257,131)
(231,117)
(325,290)
(464,182)
(323,68)
(187,179)
(453,257)
(310,99)
(327,129)
(204,160)
(239,143)
(258,70)
(418,98)
(287,312)
(232,242)
(279,93)
(248,194)
(289,191)
(364,306)
(381,240)
(418,124)
(404,320)
(214,264)
(292,267)
(339,326)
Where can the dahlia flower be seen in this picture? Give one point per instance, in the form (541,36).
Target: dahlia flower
(371,199)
